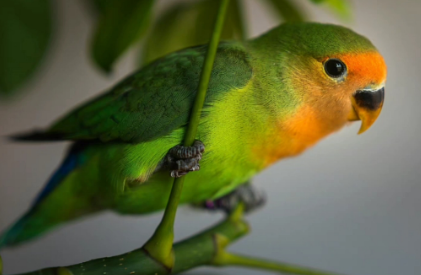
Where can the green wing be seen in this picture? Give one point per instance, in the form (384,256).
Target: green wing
(153,101)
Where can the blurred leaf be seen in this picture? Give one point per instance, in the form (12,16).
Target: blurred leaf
(173,30)
(186,25)
(120,25)
(341,8)
(233,27)
(99,5)
(25,30)
(235,19)
(288,11)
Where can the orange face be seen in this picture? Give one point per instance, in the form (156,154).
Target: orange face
(332,91)
(341,88)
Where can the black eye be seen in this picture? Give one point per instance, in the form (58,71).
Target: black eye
(335,68)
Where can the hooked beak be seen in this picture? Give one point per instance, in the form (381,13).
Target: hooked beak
(366,106)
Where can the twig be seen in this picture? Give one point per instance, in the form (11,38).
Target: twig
(207,248)
(159,245)
(195,251)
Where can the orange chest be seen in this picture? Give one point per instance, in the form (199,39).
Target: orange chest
(290,137)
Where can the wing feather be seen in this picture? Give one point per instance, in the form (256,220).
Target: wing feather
(153,101)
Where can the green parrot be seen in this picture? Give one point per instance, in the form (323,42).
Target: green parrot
(269,98)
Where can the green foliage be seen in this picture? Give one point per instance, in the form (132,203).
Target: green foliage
(99,5)
(185,25)
(120,24)
(25,30)
(288,11)
(342,8)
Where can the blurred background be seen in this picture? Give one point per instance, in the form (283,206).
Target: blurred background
(352,204)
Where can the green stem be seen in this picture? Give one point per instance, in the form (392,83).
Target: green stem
(159,246)
(205,75)
(207,248)
(229,259)
(1,266)
(199,250)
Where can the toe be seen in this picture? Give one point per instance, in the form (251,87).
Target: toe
(199,145)
(185,152)
(186,164)
(195,168)
(182,159)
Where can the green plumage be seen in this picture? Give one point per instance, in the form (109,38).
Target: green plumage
(156,100)
(122,136)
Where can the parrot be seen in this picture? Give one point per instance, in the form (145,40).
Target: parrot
(269,98)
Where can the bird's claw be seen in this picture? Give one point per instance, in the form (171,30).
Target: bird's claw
(246,194)
(184,159)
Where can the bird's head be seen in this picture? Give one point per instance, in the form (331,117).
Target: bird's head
(337,72)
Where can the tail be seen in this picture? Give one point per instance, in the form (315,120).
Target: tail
(57,203)
(24,229)
(37,136)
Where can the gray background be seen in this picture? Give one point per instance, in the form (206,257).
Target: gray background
(352,204)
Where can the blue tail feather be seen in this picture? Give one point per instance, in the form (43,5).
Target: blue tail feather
(17,233)
(72,160)
(70,163)
(9,236)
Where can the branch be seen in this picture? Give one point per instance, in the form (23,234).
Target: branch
(207,248)
(195,251)
(159,246)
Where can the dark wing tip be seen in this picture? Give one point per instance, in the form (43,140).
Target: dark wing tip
(37,136)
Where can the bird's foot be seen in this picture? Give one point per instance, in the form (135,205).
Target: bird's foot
(246,194)
(184,159)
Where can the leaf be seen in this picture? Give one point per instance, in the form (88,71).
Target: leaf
(120,25)
(288,11)
(342,8)
(99,5)
(235,19)
(207,10)
(25,31)
(186,25)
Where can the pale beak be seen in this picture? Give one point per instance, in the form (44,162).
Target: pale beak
(366,106)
